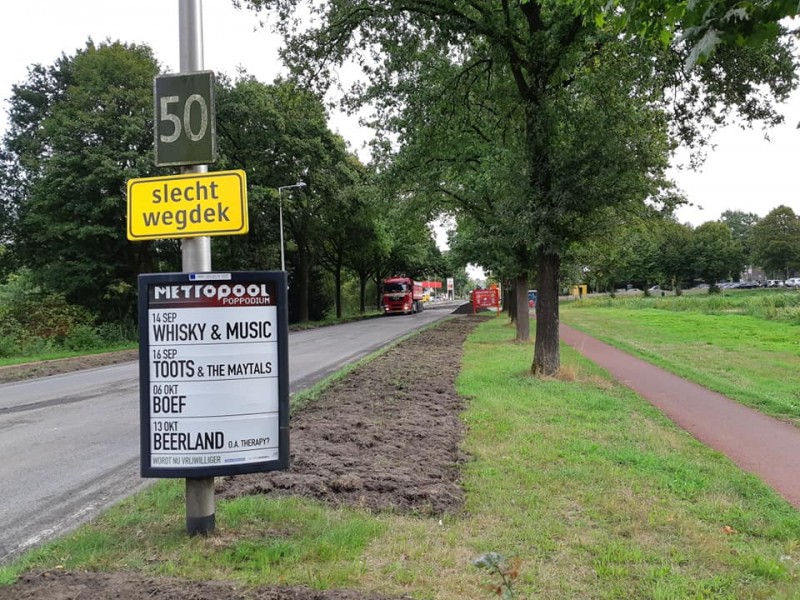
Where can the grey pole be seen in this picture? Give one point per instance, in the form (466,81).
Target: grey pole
(280,220)
(196,257)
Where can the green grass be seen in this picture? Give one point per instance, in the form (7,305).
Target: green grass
(718,342)
(771,304)
(592,489)
(57,354)
(332,320)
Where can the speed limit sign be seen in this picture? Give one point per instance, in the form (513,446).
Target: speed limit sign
(185,121)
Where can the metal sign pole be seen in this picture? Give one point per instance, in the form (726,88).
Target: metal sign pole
(196,257)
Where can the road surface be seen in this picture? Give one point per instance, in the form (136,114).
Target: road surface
(70,443)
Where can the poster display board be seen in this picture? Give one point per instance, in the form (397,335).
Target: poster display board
(214,376)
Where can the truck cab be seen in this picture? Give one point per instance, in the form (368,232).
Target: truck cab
(401,295)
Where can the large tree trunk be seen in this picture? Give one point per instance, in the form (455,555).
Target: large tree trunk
(337,278)
(521,308)
(362,292)
(506,301)
(547,354)
(511,300)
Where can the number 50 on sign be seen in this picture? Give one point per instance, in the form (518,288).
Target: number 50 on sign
(185,127)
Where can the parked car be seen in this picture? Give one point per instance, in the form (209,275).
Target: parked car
(774,283)
(792,282)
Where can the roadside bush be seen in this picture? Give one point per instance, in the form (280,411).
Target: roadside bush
(10,333)
(33,346)
(83,337)
(49,317)
(117,333)
(8,346)
(792,315)
(34,322)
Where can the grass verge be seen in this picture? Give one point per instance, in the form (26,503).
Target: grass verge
(750,359)
(59,354)
(589,487)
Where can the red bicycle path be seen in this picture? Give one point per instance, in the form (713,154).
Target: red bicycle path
(759,444)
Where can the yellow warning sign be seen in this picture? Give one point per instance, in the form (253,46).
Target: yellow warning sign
(190,205)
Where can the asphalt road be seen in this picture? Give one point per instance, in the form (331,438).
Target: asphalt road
(70,443)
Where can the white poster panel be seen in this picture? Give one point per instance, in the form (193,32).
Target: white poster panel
(234,325)
(251,398)
(213,394)
(178,443)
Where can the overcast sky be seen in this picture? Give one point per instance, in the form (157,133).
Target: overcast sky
(745,172)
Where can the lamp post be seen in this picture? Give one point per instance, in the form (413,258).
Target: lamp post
(299,184)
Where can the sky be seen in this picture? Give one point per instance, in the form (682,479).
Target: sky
(744,172)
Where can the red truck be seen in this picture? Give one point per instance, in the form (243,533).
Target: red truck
(401,295)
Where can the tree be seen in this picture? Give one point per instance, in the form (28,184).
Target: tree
(278,133)
(570,79)
(604,260)
(78,130)
(776,241)
(741,225)
(707,25)
(371,229)
(716,255)
(253,136)
(342,223)
(8,189)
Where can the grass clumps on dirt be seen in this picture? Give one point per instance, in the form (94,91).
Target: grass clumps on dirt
(412,467)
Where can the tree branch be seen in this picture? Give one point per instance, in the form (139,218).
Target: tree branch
(533,13)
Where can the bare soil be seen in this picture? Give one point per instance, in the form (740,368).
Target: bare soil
(46,368)
(385,437)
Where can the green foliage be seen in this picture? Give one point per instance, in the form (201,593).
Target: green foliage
(716,256)
(49,317)
(776,241)
(653,249)
(533,122)
(82,338)
(742,225)
(32,318)
(704,25)
(35,322)
(279,134)
(79,129)
(506,570)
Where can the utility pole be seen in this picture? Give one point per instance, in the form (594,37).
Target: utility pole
(196,257)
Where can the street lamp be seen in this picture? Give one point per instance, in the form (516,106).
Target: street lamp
(299,184)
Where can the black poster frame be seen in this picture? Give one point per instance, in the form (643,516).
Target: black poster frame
(278,282)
